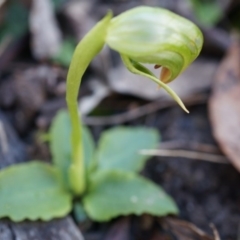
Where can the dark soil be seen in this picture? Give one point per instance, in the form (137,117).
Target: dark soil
(205,192)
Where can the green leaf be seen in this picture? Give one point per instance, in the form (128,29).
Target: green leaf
(60,144)
(32,191)
(119,148)
(16,13)
(58,4)
(114,193)
(64,56)
(207,12)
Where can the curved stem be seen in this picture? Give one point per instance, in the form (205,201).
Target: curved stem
(86,50)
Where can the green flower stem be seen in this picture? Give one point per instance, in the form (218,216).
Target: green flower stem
(141,35)
(86,50)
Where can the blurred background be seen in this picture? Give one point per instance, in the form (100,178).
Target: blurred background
(37,40)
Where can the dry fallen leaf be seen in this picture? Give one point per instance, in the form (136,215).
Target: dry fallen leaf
(99,92)
(78,16)
(184,230)
(196,78)
(224,107)
(46,36)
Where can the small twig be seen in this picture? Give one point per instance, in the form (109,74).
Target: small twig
(184,229)
(187,145)
(3,139)
(185,154)
(238,233)
(2,2)
(215,232)
(142,111)
(5,42)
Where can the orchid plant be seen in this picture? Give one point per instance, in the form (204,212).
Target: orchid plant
(104,180)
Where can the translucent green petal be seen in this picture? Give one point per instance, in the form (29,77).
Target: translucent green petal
(155,35)
(137,68)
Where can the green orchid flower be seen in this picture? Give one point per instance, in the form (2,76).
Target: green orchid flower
(156,36)
(140,35)
(102,181)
